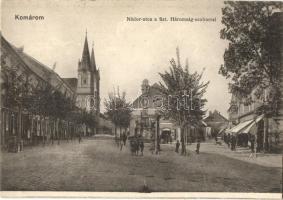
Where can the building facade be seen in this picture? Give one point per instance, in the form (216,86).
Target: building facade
(216,123)
(31,127)
(250,118)
(144,118)
(144,115)
(19,124)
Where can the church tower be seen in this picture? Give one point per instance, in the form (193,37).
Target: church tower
(88,93)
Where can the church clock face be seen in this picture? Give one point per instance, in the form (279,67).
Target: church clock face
(144,102)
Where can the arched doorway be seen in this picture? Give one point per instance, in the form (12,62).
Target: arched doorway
(166,136)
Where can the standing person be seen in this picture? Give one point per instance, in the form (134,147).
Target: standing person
(121,140)
(124,138)
(233,143)
(253,148)
(198,145)
(228,140)
(121,145)
(253,143)
(216,139)
(80,138)
(141,146)
(177,146)
(117,141)
(137,146)
(132,146)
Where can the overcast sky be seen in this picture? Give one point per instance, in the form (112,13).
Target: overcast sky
(126,52)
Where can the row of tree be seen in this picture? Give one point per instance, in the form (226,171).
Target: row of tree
(42,99)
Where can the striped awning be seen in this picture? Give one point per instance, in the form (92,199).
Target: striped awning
(240,126)
(248,128)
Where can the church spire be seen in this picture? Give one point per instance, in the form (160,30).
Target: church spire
(92,60)
(86,57)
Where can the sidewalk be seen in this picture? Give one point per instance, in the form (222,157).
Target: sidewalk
(241,153)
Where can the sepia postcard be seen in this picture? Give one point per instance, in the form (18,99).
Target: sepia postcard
(137,99)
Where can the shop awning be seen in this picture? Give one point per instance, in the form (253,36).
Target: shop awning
(203,123)
(248,128)
(240,126)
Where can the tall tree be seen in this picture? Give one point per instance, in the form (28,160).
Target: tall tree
(248,59)
(184,93)
(118,109)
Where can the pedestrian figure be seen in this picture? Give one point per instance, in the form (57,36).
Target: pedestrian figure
(137,147)
(177,146)
(132,146)
(228,140)
(121,141)
(141,146)
(253,143)
(253,153)
(117,141)
(216,139)
(80,138)
(121,145)
(124,138)
(233,143)
(198,146)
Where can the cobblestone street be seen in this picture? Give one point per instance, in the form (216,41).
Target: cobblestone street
(99,165)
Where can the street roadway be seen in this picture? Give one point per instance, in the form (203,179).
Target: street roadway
(97,164)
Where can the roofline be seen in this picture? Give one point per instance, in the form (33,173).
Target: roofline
(21,60)
(45,67)
(49,70)
(26,65)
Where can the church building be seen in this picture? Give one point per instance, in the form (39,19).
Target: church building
(87,84)
(88,81)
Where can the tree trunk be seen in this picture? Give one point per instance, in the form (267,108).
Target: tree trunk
(58,130)
(20,127)
(265,135)
(157,140)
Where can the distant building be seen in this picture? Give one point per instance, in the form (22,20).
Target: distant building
(145,113)
(216,122)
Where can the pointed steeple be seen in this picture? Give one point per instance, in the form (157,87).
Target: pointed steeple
(86,57)
(92,60)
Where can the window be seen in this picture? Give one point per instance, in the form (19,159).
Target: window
(84,79)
